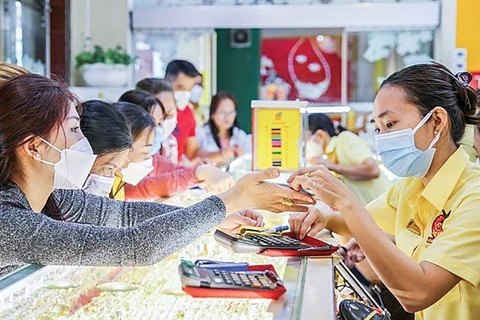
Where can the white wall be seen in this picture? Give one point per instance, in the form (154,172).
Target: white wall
(446,35)
(109,26)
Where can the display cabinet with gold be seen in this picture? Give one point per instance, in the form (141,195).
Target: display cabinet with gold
(155,292)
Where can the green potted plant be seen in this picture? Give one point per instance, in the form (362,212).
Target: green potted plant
(104,68)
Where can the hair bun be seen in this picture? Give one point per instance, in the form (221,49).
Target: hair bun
(468,105)
(466,97)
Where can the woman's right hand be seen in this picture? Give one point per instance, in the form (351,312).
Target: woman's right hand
(251,191)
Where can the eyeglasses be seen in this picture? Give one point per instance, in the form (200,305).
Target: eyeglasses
(226,114)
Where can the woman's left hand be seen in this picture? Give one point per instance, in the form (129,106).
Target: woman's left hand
(244,217)
(326,187)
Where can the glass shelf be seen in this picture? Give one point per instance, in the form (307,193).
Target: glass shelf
(33,291)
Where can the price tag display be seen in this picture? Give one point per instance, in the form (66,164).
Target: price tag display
(278,134)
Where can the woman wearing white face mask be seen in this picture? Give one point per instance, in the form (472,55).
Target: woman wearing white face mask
(163,91)
(433,268)
(71,227)
(111,140)
(139,162)
(168,178)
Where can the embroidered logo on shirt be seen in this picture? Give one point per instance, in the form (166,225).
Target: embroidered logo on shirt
(437,225)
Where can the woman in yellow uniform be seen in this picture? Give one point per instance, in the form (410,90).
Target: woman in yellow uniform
(433,265)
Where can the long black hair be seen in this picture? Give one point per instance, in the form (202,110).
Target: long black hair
(106,129)
(431,85)
(216,99)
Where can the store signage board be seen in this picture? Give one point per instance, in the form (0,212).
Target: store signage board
(279,132)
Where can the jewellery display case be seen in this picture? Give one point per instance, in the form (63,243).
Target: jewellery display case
(154,292)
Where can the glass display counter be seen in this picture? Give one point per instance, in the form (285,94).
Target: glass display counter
(154,292)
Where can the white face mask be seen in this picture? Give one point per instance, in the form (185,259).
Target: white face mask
(182,98)
(136,171)
(168,126)
(401,156)
(99,185)
(74,165)
(196,93)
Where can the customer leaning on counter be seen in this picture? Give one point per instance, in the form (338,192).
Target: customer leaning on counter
(108,133)
(433,265)
(42,149)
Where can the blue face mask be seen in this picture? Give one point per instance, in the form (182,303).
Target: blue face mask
(157,141)
(400,155)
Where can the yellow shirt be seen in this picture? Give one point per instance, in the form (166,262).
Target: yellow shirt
(118,191)
(440,223)
(349,149)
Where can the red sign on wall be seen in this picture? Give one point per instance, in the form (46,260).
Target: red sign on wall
(305,68)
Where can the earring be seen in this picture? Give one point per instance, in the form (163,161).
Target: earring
(37,156)
(435,132)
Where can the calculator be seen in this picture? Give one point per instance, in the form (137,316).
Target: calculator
(255,243)
(192,276)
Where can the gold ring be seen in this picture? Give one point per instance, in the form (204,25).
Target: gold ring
(287,202)
(307,174)
(313,185)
